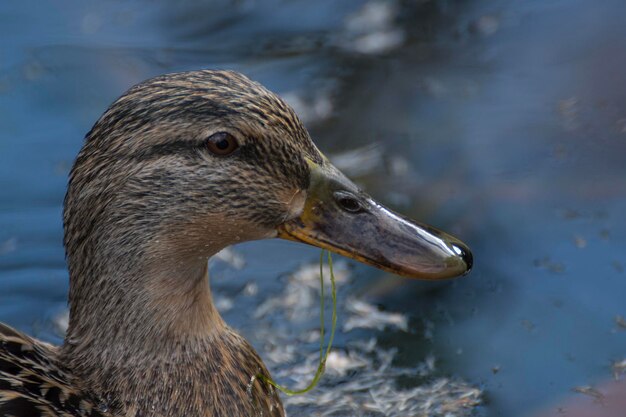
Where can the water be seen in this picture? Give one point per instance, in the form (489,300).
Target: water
(503,122)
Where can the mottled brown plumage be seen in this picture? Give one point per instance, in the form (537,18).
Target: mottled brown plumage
(146,206)
(149,200)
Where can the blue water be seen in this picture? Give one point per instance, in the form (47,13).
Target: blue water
(503,122)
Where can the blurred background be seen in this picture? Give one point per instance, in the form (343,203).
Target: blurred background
(500,121)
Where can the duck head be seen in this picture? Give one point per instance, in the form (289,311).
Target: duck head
(176,169)
(200,160)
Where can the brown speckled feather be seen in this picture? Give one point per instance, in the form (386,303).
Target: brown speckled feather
(32,383)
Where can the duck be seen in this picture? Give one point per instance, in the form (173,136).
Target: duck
(179,167)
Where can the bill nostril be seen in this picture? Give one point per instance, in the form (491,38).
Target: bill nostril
(350,205)
(348,202)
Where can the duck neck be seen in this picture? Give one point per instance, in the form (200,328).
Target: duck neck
(129,309)
(146,340)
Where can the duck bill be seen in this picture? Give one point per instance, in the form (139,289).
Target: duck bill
(337,216)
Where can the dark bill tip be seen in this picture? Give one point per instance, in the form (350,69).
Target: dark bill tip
(466,255)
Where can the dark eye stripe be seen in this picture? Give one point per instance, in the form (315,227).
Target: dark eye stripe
(188,147)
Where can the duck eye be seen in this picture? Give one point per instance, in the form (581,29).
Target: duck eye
(222,144)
